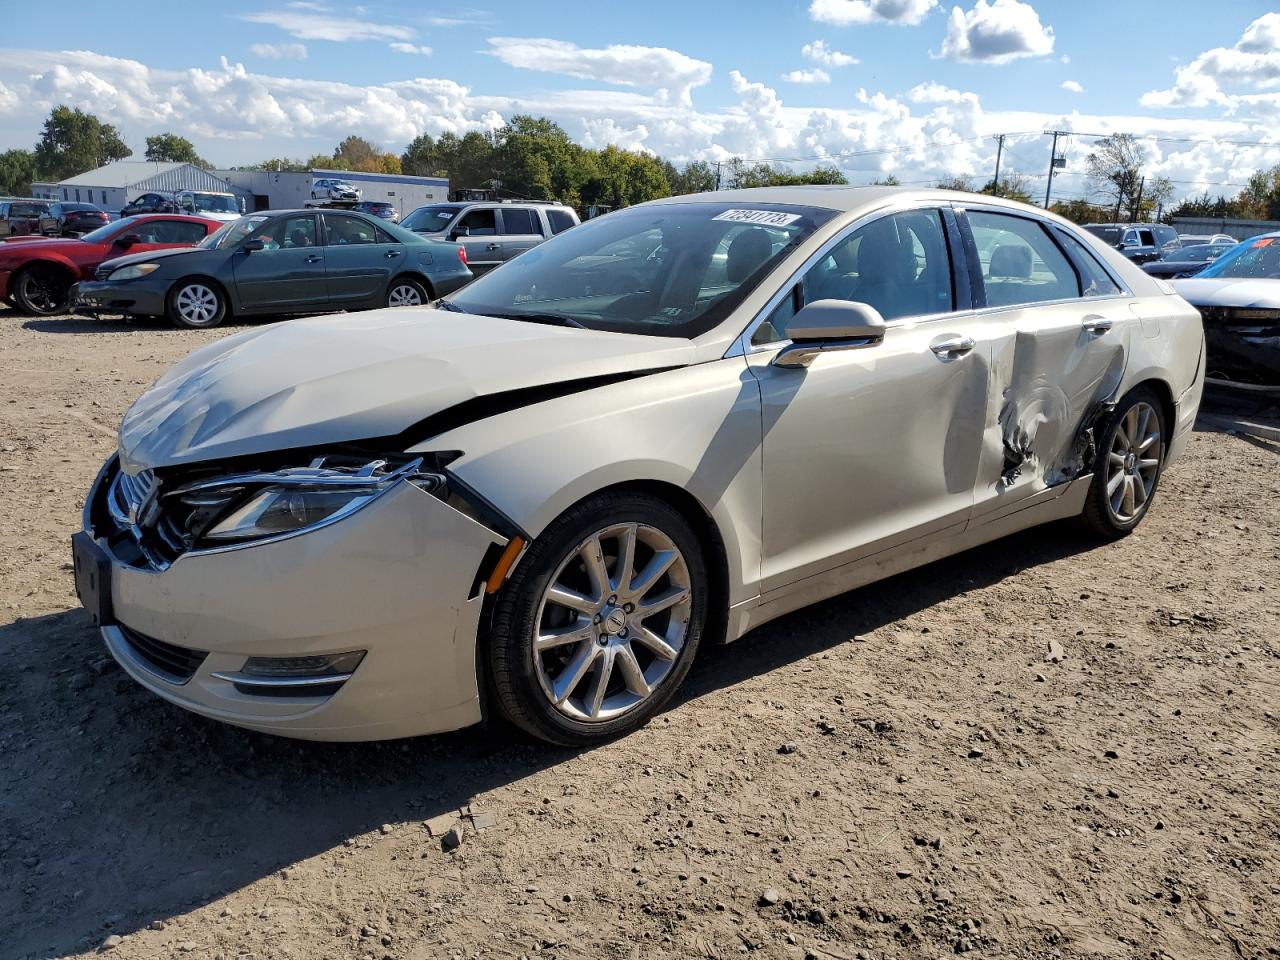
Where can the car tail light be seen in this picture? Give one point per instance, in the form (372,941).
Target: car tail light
(462,255)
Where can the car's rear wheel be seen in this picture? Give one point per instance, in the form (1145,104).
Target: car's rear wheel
(406,292)
(1130,459)
(42,290)
(600,622)
(196,303)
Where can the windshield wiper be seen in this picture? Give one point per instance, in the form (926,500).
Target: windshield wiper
(554,319)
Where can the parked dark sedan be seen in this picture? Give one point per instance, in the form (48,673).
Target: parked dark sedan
(378,208)
(149,203)
(1185,262)
(295,261)
(72,219)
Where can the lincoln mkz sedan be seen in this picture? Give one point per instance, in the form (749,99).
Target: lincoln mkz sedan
(294,261)
(655,431)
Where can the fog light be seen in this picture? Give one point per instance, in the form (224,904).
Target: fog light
(323,666)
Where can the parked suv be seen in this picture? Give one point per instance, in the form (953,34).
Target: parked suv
(492,232)
(1140,242)
(19,218)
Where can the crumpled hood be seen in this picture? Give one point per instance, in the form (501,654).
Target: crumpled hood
(150,256)
(359,376)
(1228,292)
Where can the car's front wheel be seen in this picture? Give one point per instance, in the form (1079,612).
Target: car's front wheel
(600,621)
(42,290)
(1130,454)
(196,303)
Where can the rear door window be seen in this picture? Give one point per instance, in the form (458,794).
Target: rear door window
(1020,263)
(341,230)
(479,223)
(559,220)
(1095,280)
(520,220)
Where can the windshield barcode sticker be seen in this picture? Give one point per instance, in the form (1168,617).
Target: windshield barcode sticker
(764,218)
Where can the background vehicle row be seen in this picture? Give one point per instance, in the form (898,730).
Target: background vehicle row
(492,232)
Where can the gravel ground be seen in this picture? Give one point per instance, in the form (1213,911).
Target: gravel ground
(906,771)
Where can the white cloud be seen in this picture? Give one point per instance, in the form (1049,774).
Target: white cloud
(821,54)
(461,18)
(669,71)
(279,51)
(845,13)
(313,23)
(814,75)
(1064,59)
(1071,86)
(932,92)
(399,47)
(1252,64)
(996,32)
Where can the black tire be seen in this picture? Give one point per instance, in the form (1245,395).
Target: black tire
(515,684)
(1100,514)
(196,303)
(42,290)
(396,297)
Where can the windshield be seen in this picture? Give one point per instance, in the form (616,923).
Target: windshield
(431,219)
(214,203)
(1193,254)
(105,233)
(226,237)
(1250,260)
(671,269)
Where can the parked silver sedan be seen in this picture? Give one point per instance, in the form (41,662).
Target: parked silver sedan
(652,432)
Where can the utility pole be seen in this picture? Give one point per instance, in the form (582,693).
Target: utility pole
(1137,211)
(1053,163)
(718,174)
(995,181)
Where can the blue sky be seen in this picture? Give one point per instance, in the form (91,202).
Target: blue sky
(913,87)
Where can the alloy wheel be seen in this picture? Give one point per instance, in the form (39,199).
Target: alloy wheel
(404,295)
(612,622)
(197,304)
(1133,461)
(40,291)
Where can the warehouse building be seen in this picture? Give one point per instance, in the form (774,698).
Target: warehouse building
(285,190)
(114,185)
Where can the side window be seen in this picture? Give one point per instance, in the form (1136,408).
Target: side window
(559,220)
(341,231)
(898,264)
(1095,279)
(1147,239)
(178,231)
(519,220)
(480,223)
(1020,262)
(291,233)
(384,237)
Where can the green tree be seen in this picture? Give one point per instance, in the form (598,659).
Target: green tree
(1260,199)
(962,184)
(326,161)
(537,159)
(890,181)
(173,148)
(698,176)
(280,165)
(741,175)
(1079,211)
(420,158)
(73,142)
(17,170)
(1206,206)
(357,153)
(1012,186)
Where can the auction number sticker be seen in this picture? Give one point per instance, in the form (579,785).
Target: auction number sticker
(764,218)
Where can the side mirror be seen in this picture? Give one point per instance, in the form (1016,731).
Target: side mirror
(253,245)
(129,239)
(460,232)
(827,326)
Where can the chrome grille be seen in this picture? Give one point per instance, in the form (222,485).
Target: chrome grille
(134,505)
(132,497)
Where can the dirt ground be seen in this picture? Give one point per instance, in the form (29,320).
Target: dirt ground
(900,772)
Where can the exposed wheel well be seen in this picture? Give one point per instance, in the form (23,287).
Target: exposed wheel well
(59,268)
(1167,406)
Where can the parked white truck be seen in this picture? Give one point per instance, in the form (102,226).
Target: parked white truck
(211,206)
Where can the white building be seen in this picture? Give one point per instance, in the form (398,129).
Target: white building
(114,185)
(282,190)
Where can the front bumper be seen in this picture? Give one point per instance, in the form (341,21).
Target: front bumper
(136,298)
(396,578)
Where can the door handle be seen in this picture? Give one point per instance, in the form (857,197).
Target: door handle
(1096,326)
(313,259)
(391,254)
(493,246)
(950,348)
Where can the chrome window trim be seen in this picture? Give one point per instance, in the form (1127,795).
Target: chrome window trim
(743,347)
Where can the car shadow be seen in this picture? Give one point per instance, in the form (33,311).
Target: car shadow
(77,323)
(118,809)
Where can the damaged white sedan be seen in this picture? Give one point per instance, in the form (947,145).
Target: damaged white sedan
(657,430)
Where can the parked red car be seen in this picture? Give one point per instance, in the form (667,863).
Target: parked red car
(36,273)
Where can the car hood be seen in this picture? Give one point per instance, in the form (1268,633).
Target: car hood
(360,376)
(26,238)
(150,256)
(1227,292)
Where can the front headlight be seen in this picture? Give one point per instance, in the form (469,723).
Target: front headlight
(134,272)
(278,510)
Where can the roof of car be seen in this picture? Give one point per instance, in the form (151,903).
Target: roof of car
(843,198)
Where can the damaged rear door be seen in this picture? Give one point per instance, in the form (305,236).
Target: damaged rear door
(1058,326)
